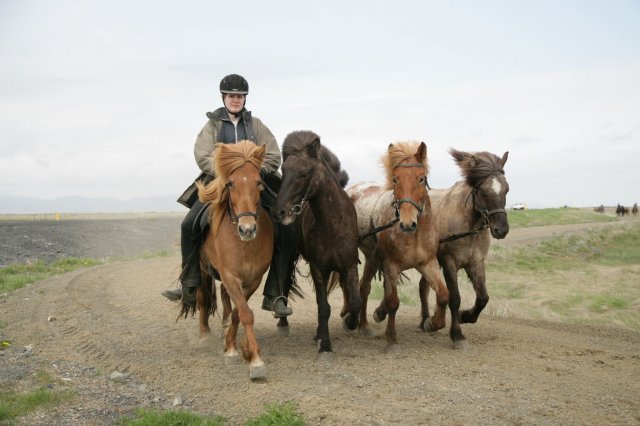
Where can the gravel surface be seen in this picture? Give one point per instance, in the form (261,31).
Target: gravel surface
(107,334)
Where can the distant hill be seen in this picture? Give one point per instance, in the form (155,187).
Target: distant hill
(27,205)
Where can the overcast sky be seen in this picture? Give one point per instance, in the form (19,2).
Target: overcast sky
(105,99)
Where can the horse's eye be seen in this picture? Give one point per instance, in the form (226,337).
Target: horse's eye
(422,179)
(229,184)
(394,179)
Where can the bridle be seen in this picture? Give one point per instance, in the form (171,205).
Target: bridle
(396,205)
(232,214)
(484,213)
(296,209)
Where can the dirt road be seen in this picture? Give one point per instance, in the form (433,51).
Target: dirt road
(86,325)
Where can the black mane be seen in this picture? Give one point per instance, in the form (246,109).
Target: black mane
(299,140)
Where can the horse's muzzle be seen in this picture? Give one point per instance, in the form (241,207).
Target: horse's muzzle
(247,232)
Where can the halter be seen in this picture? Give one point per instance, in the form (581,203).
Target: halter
(396,205)
(482,211)
(232,214)
(296,209)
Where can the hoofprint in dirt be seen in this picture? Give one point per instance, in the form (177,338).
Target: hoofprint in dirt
(112,318)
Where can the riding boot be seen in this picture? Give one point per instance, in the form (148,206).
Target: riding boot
(190,279)
(275,298)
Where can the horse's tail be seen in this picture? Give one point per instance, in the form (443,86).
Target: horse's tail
(291,280)
(334,281)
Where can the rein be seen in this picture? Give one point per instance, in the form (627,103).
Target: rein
(396,205)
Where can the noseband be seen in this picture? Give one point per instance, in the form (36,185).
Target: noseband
(232,214)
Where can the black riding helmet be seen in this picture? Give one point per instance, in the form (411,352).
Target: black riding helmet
(234,83)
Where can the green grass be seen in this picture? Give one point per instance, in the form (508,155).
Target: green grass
(278,414)
(171,418)
(14,404)
(275,414)
(543,217)
(18,275)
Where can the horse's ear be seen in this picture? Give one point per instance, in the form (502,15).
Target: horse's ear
(260,152)
(314,148)
(503,160)
(421,155)
(389,147)
(472,160)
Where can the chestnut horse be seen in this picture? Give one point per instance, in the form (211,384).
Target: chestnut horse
(412,243)
(239,244)
(467,215)
(312,188)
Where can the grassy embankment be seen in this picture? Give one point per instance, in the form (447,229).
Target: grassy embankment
(591,277)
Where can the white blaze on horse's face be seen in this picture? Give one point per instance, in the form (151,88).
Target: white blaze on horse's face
(496,185)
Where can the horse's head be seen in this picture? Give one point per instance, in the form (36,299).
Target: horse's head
(301,154)
(236,189)
(407,169)
(484,172)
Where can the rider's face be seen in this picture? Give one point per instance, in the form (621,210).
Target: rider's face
(233,102)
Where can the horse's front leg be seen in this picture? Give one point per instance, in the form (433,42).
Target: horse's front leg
(242,313)
(226,309)
(431,273)
(370,268)
(475,272)
(353,300)
(390,303)
(423,291)
(324,312)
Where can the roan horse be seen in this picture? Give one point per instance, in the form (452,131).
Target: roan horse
(463,213)
(239,245)
(412,243)
(312,188)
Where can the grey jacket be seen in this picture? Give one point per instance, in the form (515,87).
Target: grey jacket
(207,141)
(257,132)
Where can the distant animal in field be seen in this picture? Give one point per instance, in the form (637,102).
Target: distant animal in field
(622,210)
(634,210)
(599,209)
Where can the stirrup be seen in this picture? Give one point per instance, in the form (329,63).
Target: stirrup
(273,305)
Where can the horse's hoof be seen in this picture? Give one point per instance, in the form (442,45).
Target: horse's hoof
(258,372)
(325,358)
(393,348)
(348,324)
(430,328)
(283,331)
(461,345)
(377,317)
(367,332)
(231,359)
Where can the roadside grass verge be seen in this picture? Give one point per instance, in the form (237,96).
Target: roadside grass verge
(275,414)
(590,278)
(544,217)
(18,275)
(14,404)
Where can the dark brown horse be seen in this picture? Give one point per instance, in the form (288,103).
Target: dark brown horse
(312,188)
(467,215)
(239,244)
(408,238)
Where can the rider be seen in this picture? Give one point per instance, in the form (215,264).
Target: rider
(230,124)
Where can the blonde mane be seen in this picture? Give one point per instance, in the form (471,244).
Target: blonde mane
(226,159)
(398,153)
